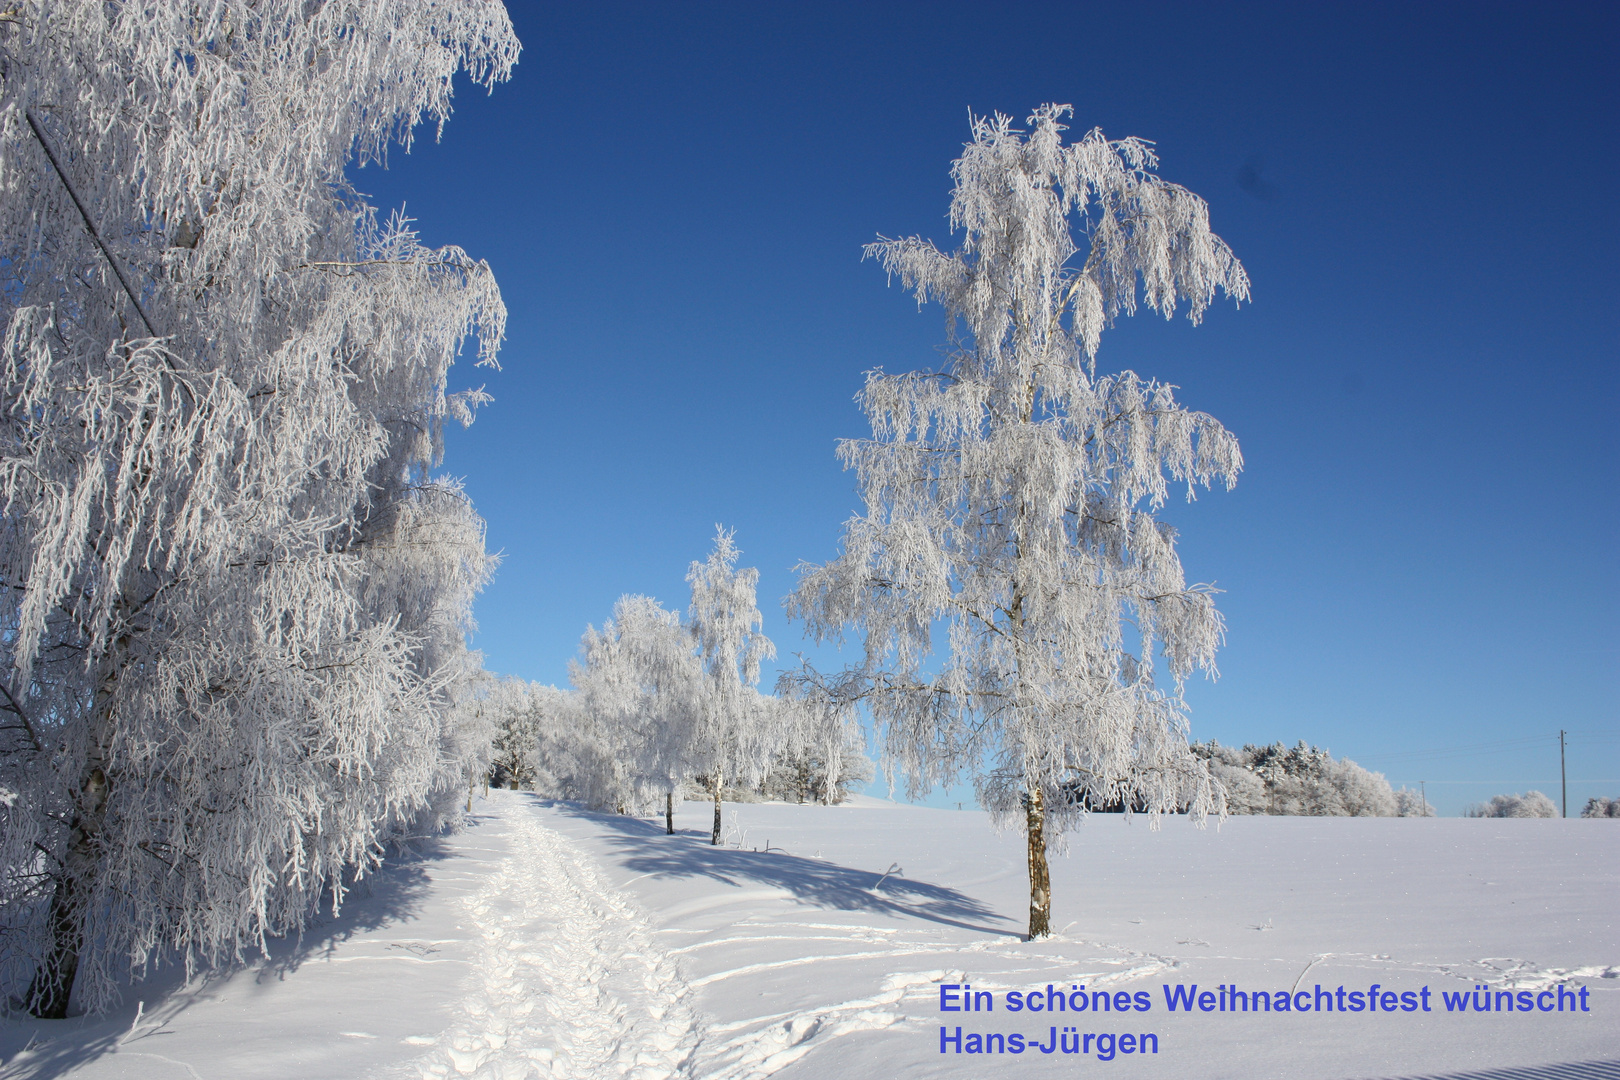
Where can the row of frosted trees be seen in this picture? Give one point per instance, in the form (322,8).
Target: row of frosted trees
(660,704)
(233,660)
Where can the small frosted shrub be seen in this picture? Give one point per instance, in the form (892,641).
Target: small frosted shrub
(1409,803)
(1601,807)
(1532,804)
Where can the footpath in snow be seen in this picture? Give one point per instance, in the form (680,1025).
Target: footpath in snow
(568,980)
(499,953)
(546,941)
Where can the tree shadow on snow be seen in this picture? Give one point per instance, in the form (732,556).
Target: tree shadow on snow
(1566,1070)
(46,1048)
(391,894)
(647,849)
(32,1049)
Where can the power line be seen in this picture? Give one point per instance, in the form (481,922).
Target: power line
(1519,781)
(1477,749)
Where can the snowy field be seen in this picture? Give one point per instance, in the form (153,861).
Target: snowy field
(547,941)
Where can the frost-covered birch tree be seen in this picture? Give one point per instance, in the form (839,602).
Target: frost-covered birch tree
(822,747)
(639,679)
(1011,495)
(731,737)
(235,598)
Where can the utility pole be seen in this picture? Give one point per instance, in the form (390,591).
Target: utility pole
(1424,794)
(1563,777)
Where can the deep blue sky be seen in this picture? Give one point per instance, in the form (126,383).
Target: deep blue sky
(1421,553)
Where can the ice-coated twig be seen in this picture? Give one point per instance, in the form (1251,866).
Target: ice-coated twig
(135,1024)
(1317,960)
(894,868)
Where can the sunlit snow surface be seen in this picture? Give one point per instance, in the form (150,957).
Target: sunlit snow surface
(547,941)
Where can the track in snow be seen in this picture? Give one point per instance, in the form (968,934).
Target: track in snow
(568,982)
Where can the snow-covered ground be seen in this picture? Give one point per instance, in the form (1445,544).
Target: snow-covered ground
(548,941)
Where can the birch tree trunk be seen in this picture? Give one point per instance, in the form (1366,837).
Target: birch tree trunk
(52,986)
(51,990)
(714,836)
(1040,877)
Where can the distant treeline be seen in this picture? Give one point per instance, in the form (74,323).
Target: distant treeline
(1304,781)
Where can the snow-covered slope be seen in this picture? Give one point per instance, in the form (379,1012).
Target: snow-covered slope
(547,941)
